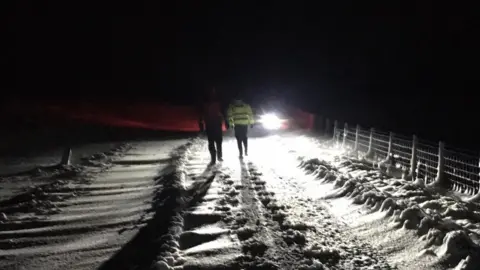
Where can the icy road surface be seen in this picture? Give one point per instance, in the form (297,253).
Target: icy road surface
(78,220)
(263,212)
(294,203)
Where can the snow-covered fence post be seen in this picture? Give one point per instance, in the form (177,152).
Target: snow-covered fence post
(66,156)
(418,171)
(370,144)
(427,174)
(335,131)
(345,134)
(357,131)
(413,159)
(390,141)
(327,127)
(440,179)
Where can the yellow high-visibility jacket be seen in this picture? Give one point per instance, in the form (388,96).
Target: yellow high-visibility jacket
(240,114)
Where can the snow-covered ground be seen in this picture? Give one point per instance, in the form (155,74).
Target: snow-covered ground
(294,203)
(12,165)
(261,213)
(21,173)
(413,225)
(86,212)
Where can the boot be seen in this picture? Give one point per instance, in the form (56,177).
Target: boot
(219,151)
(219,154)
(213,157)
(245,147)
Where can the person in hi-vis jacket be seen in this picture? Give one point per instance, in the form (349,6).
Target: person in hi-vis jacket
(240,116)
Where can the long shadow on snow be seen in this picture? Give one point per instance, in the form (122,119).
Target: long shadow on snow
(154,239)
(142,162)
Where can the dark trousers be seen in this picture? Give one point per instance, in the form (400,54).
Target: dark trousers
(242,138)
(215,138)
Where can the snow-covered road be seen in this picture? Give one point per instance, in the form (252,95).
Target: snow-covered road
(265,213)
(79,221)
(158,205)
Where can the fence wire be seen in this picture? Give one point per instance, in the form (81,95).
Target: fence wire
(338,136)
(402,150)
(427,158)
(380,145)
(363,140)
(461,167)
(462,171)
(349,135)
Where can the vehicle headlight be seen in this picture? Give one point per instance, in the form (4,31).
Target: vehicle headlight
(270,121)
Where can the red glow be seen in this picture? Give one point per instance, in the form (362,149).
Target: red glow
(141,115)
(152,116)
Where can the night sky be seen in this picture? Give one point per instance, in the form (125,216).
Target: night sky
(410,67)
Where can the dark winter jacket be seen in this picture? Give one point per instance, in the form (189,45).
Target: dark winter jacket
(211,115)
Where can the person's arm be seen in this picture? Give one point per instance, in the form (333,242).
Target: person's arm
(224,112)
(250,115)
(230,116)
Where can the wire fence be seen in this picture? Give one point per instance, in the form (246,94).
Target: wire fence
(363,141)
(428,161)
(380,143)
(402,148)
(350,136)
(463,171)
(457,169)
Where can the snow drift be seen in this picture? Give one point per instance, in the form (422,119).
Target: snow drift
(448,227)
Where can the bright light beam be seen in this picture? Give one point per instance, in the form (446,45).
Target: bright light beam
(271,121)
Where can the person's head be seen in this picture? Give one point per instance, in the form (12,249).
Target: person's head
(211,93)
(237,101)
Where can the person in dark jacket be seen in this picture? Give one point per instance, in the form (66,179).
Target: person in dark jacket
(211,121)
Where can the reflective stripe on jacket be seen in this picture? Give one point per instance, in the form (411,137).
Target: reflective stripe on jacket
(240,114)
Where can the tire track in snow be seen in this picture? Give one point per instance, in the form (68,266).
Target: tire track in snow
(263,240)
(234,226)
(93,219)
(207,241)
(327,244)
